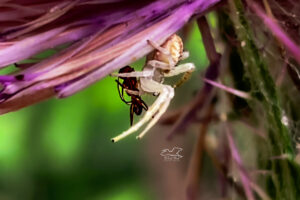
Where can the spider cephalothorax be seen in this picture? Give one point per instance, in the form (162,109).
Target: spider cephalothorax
(161,63)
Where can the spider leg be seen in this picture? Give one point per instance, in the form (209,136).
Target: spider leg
(157,108)
(134,74)
(184,55)
(163,51)
(132,92)
(186,68)
(166,66)
(156,117)
(159,64)
(158,47)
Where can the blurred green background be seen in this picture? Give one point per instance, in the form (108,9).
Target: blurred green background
(61,149)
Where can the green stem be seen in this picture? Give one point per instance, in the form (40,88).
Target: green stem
(282,184)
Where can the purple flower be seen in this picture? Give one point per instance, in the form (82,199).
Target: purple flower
(101,36)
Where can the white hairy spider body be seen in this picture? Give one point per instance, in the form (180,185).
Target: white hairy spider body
(160,63)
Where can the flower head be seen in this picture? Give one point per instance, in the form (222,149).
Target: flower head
(100,37)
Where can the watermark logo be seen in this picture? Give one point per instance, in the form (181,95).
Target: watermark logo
(171,155)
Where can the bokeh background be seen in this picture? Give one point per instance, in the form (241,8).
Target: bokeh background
(61,148)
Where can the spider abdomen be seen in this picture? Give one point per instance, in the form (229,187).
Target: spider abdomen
(174,45)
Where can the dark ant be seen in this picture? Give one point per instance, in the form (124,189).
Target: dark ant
(131,83)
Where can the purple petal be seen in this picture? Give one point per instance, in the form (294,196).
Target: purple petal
(290,45)
(26,48)
(161,33)
(242,171)
(89,58)
(236,92)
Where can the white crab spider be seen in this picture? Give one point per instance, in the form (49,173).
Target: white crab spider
(160,63)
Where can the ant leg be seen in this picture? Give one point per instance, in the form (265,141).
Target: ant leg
(186,68)
(144,105)
(132,92)
(131,114)
(122,94)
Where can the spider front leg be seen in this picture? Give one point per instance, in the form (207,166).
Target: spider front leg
(165,52)
(159,64)
(184,55)
(134,74)
(186,68)
(166,66)
(155,111)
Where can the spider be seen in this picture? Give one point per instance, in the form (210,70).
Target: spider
(130,83)
(161,63)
